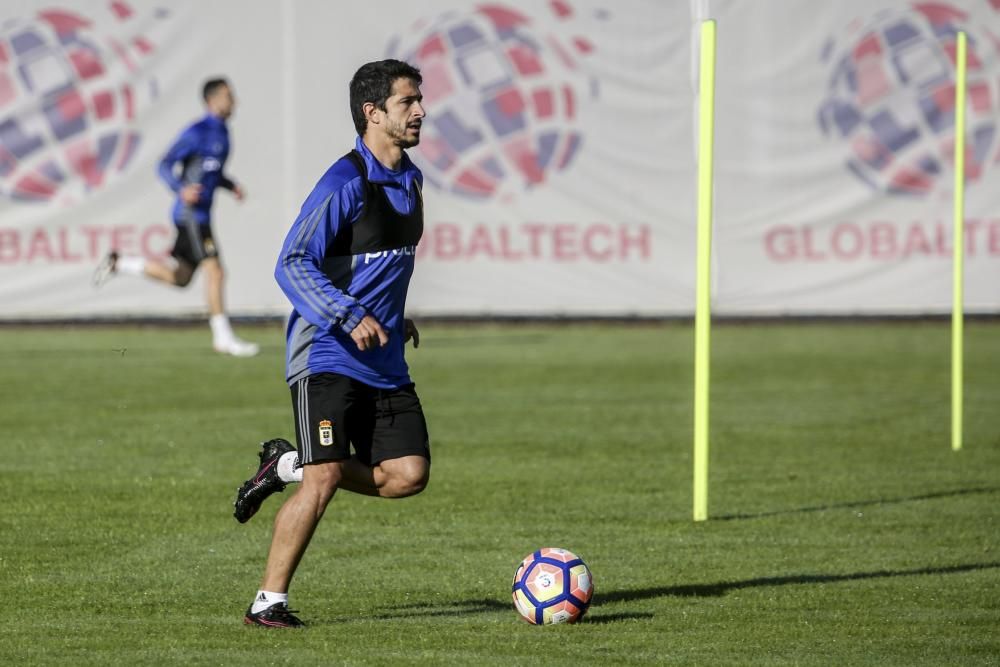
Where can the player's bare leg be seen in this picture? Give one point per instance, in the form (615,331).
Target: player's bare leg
(214,279)
(279,466)
(171,272)
(392,478)
(294,526)
(223,338)
(176,273)
(296,522)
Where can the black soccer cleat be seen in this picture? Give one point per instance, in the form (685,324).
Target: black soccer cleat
(256,489)
(106,270)
(276,616)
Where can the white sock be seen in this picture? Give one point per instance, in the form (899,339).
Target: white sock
(221,331)
(131,266)
(267,599)
(289,469)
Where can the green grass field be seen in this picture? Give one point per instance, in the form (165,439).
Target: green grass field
(843,531)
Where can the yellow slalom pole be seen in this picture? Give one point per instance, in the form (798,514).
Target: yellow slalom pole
(957,308)
(702,325)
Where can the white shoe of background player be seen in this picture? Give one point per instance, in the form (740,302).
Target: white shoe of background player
(236,347)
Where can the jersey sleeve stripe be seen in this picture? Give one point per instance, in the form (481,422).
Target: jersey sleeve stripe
(292,264)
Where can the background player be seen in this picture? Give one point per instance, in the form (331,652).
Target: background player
(193,168)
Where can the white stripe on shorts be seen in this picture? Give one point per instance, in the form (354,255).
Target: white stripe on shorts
(305,432)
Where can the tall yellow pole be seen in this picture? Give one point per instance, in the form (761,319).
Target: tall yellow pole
(957,308)
(706,139)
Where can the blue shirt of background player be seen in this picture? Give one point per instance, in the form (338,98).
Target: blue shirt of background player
(197,156)
(330,296)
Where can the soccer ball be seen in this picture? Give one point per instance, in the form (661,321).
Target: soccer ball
(552,586)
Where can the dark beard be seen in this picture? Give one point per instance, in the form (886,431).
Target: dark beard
(407,142)
(402,140)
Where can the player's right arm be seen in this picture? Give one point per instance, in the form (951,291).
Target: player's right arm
(299,268)
(369,334)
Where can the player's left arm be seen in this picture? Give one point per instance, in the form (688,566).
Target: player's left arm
(232,186)
(411,332)
(409,326)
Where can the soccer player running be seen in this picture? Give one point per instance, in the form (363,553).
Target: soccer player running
(192,168)
(345,266)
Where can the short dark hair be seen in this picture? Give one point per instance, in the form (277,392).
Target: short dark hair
(211,86)
(373,83)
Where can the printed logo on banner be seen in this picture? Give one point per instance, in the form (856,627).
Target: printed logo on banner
(70,84)
(504,90)
(891,97)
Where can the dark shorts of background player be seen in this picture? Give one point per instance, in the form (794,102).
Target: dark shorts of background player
(333,412)
(194,243)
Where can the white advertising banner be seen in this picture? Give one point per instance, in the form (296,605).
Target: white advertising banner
(835,140)
(558,152)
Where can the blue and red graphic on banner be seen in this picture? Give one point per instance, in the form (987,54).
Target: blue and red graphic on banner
(68,101)
(504,94)
(892,97)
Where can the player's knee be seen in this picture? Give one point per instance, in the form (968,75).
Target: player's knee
(213,268)
(411,487)
(418,484)
(183,275)
(411,480)
(322,480)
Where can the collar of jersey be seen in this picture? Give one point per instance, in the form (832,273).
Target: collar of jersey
(214,120)
(377,172)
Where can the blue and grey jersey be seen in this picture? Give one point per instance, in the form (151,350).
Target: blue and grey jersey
(197,156)
(350,253)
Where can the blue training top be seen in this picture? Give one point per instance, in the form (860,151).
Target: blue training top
(201,151)
(332,287)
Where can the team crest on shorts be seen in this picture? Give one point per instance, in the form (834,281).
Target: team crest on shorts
(326,432)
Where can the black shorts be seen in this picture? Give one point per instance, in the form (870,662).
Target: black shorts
(194,243)
(333,412)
